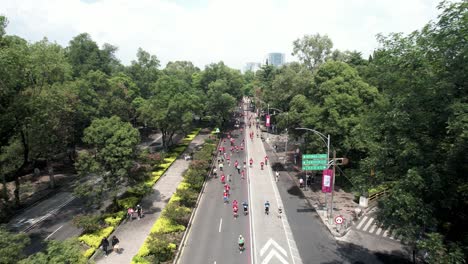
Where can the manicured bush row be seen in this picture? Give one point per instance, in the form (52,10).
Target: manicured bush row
(167,231)
(132,196)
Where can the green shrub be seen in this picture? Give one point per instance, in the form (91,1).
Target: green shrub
(166,225)
(195,178)
(140,260)
(128,202)
(161,246)
(89,223)
(177,213)
(89,252)
(188,197)
(94,239)
(114,219)
(201,165)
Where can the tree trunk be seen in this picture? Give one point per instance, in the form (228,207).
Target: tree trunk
(50,170)
(17,190)
(164,139)
(5,190)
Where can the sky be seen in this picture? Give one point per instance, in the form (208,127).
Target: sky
(209,31)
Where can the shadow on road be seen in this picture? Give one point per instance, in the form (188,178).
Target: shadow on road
(356,254)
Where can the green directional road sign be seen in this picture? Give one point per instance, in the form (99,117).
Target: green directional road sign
(316,167)
(315,162)
(314,156)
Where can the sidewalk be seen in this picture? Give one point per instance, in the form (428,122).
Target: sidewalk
(133,233)
(343,203)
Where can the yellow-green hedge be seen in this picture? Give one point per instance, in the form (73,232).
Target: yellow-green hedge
(94,239)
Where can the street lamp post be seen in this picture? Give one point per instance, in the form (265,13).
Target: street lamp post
(327,138)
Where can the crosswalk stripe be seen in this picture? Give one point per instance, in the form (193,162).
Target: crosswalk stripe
(385,234)
(362,222)
(379,231)
(374,226)
(368,224)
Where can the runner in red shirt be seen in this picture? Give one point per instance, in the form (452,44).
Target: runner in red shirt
(223,178)
(251,162)
(225,197)
(234,210)
(266,160)
(243,174)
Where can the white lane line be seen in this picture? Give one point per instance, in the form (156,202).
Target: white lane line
(368,224)
(362,222)
(53,232)
(49,214)
(220,224)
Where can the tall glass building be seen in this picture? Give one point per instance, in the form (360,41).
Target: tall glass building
(275,59)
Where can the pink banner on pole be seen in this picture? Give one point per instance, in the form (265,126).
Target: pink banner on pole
(267,121)
(327,179)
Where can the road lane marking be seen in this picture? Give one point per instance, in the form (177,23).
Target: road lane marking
(273,253)
(368,224)
(53,232)
(362,222)
(48,214)
(220,224)
(374,226)
(273,243)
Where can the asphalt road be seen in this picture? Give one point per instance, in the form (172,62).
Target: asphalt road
(314,242)
(214,233)
(48,219)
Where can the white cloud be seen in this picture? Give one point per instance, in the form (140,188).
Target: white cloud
(232,31)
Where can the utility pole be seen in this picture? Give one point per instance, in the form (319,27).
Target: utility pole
(330,218)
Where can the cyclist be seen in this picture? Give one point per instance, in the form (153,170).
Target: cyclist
(267,207)
(246,207)
(241,243)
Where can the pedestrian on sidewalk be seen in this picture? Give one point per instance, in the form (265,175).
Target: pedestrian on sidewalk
(301,182)
(139,211)
(277,175)
(266,160)
(215,173)
(115,244)
(221,167)
(105,245)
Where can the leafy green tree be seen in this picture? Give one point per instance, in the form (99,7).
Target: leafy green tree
(51,125)
(220,103)
(420,127)
(312,50)
(58,252)
(114,145)
(84,55)
(170,109)
(144,71)
(296,77)
(11,246)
